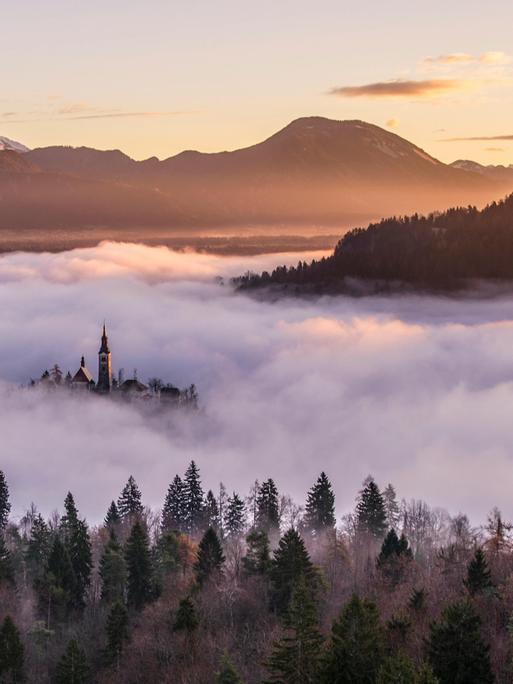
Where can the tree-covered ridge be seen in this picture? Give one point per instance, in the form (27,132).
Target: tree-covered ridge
(441,250)
(220,587)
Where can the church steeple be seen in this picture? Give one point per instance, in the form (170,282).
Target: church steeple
(105,342)
(104,383)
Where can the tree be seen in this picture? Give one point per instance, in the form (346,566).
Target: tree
(112,571)
(72,668)
(186,618)
(211,517)
(11,652)
(193,499)
(129,502)
(112,517)
(295,657)
(267,507)
(370,511)
(320,506)
(235,516)
(210,557)
(6,566)
(455,647)
(5,506)
(257,560)
(291,561)
(397,669)
(56,588)
(356,649)
(478,574)
(38,547)
(117,633)
(227,674)
(139,568)
(394,551)
(392,511)
(174,510)
(425,675)
(78,546)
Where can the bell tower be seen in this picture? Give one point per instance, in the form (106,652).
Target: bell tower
(104,383)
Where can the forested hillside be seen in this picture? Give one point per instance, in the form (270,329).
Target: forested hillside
(225,588)
(441,250)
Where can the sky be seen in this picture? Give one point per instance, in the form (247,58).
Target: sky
(158,77)
(416,391)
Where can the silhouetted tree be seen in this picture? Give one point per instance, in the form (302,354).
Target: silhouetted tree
(235,516)
(320,506)
(129,502)
(397,669)
(139,568)
(38,547)
(267,507)
(210,557)
(57,587)
(117,633)
(257,560)
(370,511)
(72,668)
(186,618)
(11,652)
(174,513)
(112,517)
(211,515)
(291,561)
(392,510)
(193,497)
(78,546)
(5,505)
(113,572)
(478,574)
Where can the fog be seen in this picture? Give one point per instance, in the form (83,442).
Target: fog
(417,391)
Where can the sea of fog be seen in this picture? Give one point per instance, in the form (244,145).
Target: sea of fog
(415,390)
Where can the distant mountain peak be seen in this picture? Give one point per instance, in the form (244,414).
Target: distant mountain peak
(8,144)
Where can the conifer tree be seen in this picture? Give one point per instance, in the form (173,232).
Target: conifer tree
(112,571)
(478,574)
(211,515)
(320,506)
(227,673)
(392,551)
(6,565)
(186,618)
(56,588)
(417,600)
(139,567)
(72,668)
(455,648)
(392,511)
(356,650)
(210,557)
(38,547)
(117,633)
(291,561)
(370,511)
(5,506)
(295,657)
(78,546)
(129,502)
(112,518)
(235,516)
(257,560)
(194,501)
(267,508)
(425,675)
(11,652)
(397,669)
(174,512)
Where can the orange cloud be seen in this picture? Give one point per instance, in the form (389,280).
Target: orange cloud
(492,58)
(478,138)
(398,88)
(392,123)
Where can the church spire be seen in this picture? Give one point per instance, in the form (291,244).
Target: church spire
(105,342)
(104,383)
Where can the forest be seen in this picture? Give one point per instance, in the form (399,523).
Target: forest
(226,588)
(441,251)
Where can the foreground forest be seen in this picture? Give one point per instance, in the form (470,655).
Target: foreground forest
(439,251)
(224,588)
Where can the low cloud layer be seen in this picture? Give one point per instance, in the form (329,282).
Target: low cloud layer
(416,390)
(403,89)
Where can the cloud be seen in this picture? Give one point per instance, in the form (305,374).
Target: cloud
(478,138)
(416,390)
(453,58)
(494,149)
(75,108)
(404,89)
(492,58)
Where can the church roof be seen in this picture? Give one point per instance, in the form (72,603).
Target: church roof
(133,385)
(82,375)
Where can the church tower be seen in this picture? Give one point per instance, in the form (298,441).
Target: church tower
(104,383)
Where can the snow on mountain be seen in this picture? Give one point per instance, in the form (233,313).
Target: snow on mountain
(8,144)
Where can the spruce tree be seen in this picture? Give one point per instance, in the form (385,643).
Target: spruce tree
(139,567)
(397,669)
(227,673)
(5,506)
(78,546)
(268,508)
(211,517)
(117,634)
(186,619)
(257,560)
(129,502)
(72,668)
(356,649)
(296,656)
(235,516)
(6,565)
(210,557)
(193,498)
(392,510)
(38,547)
(112,518)
(394,551)
(291,561)
(370,511)
(56,588)
(11,652)
(320,506)
(113,573)
(455,648)
(174,510)
(478,574)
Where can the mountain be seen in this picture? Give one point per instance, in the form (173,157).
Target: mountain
(495,173)
(7,144)
(315,172)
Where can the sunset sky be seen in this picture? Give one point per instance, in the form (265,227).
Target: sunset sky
(158,77)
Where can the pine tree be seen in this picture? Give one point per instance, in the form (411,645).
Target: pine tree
(78,545)
(72,668)
(139,568)
(295,657)
(392,510)
(227,674)
(56,588)
(112,517)
(370,511)
(235,516)
(257,560)
(117,634)
(320,506)
(210,557)
(211,515)
(478,574)
(129,502)
(11,652)
(394,551)
(291,561)
(112,571)
(356,650)
(174,511)
(397,669)
(455,647)
(186,619)
(6,565)
(193,497)
(5,506)
(38,547)
(267,508)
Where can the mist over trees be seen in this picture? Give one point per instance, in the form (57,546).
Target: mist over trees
(220,587)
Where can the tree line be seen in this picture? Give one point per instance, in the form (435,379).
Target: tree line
(225,588)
